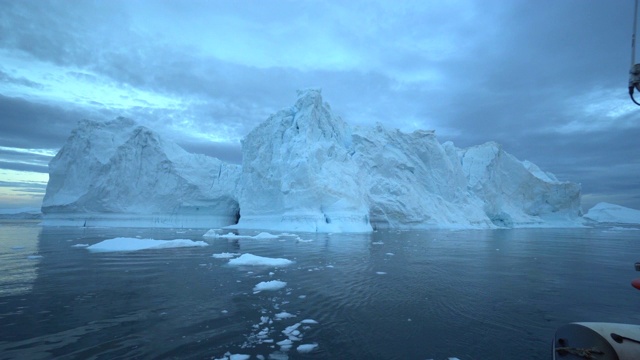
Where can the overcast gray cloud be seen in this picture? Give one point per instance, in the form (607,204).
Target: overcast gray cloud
(547,80)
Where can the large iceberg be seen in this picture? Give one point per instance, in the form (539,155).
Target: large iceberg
(119,173)
(303,169)
(298,172)
(306,169)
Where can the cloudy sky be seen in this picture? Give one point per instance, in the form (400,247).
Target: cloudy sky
(546,79)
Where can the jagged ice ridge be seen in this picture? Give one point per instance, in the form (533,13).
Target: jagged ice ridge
(303,169)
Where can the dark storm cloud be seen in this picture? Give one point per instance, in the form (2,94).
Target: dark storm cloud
(23,167)
(46,126)
(4,77)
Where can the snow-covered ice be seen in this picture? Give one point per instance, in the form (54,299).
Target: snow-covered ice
(254,260)
(272,285)
(306,348)
(116,173)
(304,169)
(283,315)
(610,213)
(134,244)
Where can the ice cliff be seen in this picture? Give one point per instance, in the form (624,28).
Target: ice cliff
(303,169)
(615,214)
(123,174)
(298,172)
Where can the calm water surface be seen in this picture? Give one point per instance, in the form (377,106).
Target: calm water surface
(496,294)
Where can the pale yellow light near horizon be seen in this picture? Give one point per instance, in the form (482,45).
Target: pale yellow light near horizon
(17,196)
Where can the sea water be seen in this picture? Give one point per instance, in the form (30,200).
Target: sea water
(473,294)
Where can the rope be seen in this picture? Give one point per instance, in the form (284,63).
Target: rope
(583,353)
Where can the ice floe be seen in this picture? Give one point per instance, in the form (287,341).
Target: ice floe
(134,244)
(305,348)
(225,255)
(254,260)
(269,285)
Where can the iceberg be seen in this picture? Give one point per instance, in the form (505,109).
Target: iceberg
(119,173)
(516,193)
(304,169)
(298,173)
(609,213)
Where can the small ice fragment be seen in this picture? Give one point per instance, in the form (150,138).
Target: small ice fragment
(265,235)
(305,348)
(381,273)
(224,311)
(239,357)
(377,243)
(302,296)
(225,255)
(254,260)
(290,329)
(270,285)
(284,315)
(390,254)
(80,245)
(308,321)
(34,257)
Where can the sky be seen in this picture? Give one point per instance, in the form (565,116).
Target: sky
(545,79)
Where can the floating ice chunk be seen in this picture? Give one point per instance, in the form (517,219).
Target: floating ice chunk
(270,285)
(377,243)
(80,245)
(290,329)
(285,345)
(381,273)
(284,315)
(265,235)
(239,357)
(225,255)
(213,233)
(254,260)
(308,321)
(34,257)
(133,244)
(305,348)
(390,254)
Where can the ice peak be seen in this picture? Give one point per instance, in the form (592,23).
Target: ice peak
(309,98)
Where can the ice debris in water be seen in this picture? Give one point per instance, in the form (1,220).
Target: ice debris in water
(254,260)
(269,285)
(225,255)
(305,348)
(133,244)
